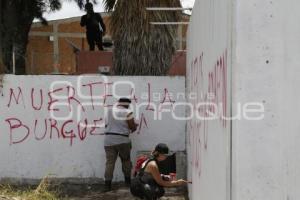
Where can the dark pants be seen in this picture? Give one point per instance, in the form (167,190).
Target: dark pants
(112,153)
(153,192)
(94,37)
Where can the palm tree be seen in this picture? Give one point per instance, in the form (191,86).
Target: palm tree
(140,47)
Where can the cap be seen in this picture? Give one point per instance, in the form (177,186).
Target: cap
(162,149)
(124,101)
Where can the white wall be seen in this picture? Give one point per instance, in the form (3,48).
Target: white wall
(29,152)
(266,152)
(208,76)
(265,70)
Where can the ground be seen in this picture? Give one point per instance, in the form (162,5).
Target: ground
(95,192)
(121,192)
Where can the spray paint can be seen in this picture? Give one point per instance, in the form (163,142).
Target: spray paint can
(173,176)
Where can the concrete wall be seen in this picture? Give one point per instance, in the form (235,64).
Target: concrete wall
(266,70)
(208,82)
(37,139)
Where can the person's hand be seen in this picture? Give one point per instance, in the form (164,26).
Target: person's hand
(182,182)
(165,177)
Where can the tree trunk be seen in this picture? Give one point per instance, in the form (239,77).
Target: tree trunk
(2,68)
(15,37)
(142,48)
(20,46)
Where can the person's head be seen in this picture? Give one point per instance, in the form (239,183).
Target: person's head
(125,102)
(89,7)
(161,152)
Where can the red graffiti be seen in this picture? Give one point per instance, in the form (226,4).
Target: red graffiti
(53,126)
(32,100)
(20,132)
(107,94)
(90,85)
(14,124)
(16,98)
(217,85)
(82,133)
(96,126)
(132,95)
(167,97)
(149,99)
(142,121)
(214,91)
(68,134)
(50,128)
(52,100)
(71,96)
(35,126)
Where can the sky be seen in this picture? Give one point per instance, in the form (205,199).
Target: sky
(70,9)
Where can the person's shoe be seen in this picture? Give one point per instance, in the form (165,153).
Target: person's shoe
(127,181)
(107,186)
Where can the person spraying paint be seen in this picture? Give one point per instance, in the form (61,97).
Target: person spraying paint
(149,183)
(119,124)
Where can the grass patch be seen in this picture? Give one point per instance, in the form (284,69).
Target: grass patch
(42,192)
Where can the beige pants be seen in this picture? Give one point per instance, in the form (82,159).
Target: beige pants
(112,153)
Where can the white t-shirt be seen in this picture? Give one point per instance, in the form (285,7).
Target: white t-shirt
(116,122)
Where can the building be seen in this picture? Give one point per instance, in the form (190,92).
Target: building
(51,49)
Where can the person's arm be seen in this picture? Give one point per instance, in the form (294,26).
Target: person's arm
(83,21)
(105,122)
(131,123)
(102,24)
(153,169)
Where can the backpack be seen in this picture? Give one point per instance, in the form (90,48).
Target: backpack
(139,162)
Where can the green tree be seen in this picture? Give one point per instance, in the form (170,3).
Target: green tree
(16,17)
(140,47)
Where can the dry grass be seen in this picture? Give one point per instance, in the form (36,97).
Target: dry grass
(40,193)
